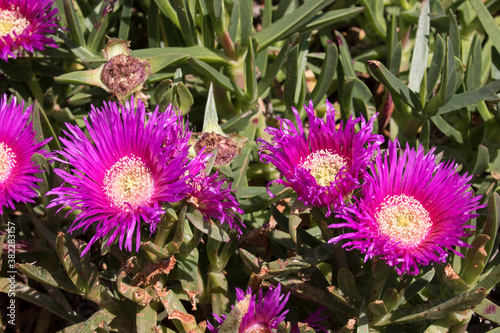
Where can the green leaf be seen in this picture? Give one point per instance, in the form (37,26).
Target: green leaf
(447,129)
(420,50)
(488,310)
(326,74)
(392,40)
(206,226)
(475,259)
(69,256)
(204,54)
(35,297)
(347,283)
(89,77)
(234,318)
(448,81)
(436,65)
(186,28)
(289,24)
(374,12)
(363,323)
(218,292)
(250,73)
(396,59)
(357,99)
(146,318)
(470,97)
(45,276)
(153,25)
(96,38)
(125,19)
(169,11)
(434,309)
(73,23)
(454,34)
(187,265)
(331,17)
(488,22)
(246,23)
(345,57)
(491,224)
(207,70)
(159,252)
(474,65)
(240,164)
(176,312)
(96,320)
(278,63)
(159,62)
(294,86)
(416,286)
(396,86)
(480,160)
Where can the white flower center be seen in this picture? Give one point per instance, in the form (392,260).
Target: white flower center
(404,220)
(258,328)
(11,21)
(324,166)
(128,183)
(7,162)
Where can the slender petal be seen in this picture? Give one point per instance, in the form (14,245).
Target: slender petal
(411,211)
(17,147)
(263,315)
(206,192)
(25,26)
(325,166)
(121,175)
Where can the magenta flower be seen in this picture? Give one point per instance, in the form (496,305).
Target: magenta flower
(263,315)
(208,194)
(17,147)
(124,172)
(314,321)
(325,166)
(25,26)
(411,211)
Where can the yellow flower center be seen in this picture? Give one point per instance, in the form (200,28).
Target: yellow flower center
(7,162)
(404,220)
(324,166)
(11,21)
(128,183)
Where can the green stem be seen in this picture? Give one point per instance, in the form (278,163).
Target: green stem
(163,231)
(35,88)
(381,272)
(413,125)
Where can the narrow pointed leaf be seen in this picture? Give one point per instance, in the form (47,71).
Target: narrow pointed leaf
(420,50)
(396,86)
(288,25)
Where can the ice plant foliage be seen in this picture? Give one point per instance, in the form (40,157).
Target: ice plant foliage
(208,194)
(17,147)
(325,166)
(124,172)
(25,26)
(411,211)
(262,315)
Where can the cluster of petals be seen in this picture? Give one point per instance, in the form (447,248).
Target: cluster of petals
(29,24)
(210,196)
(124,142)
(438,199)
(18,145)
(263,315)
(291,148)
